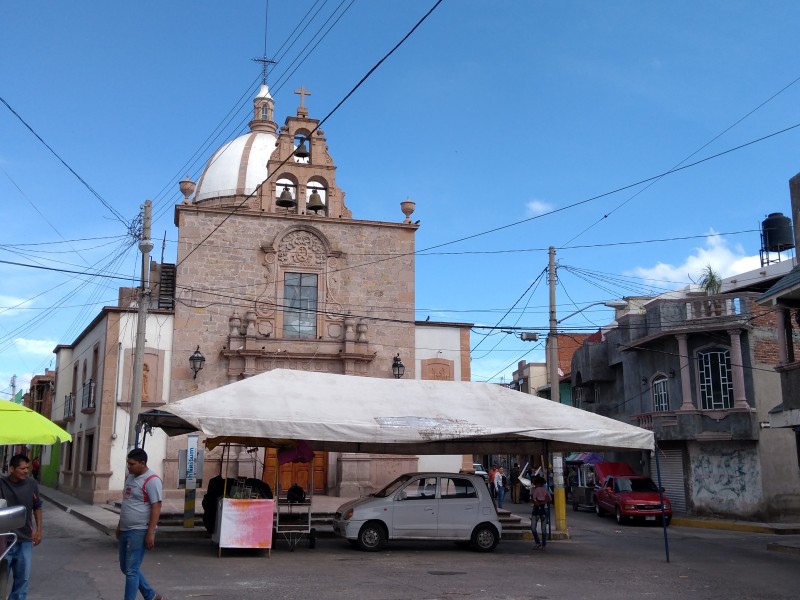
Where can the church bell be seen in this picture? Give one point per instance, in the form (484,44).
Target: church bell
(285,200)
(315,202)
(302,151)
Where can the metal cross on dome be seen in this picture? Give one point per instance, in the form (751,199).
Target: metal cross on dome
(264,62)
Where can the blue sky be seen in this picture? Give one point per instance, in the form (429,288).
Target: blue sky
(490,114)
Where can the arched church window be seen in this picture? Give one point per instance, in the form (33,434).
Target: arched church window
(264,112)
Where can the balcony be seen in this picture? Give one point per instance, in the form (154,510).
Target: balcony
(698,311)
(700,425)
(87,398)
(69,408)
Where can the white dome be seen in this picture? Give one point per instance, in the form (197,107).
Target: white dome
(238,167)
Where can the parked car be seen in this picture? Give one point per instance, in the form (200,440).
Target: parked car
(631,497)
(480,470)
(11,518)
(422,506)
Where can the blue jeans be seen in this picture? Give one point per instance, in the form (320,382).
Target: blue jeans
(501,496)
(539,514)
(131,554)
(19,566)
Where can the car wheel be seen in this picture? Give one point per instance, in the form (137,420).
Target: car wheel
(620,517)
(600,512)
(312,538)
(484,538)
(372,537)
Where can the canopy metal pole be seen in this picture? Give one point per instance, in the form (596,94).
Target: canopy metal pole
(661,499)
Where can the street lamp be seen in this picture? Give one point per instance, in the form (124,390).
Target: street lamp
(615,304)
(196,361)
(398,368)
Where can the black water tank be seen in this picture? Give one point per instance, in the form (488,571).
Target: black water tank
(777,231)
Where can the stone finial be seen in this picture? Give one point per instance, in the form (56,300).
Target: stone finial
(235,324)
(407,206)
(187,187)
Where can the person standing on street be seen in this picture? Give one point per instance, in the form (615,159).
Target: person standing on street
(540,499)
(20,490)
(136,531)
(515,483)
(500,485)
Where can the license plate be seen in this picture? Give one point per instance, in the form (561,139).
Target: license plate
(649,518)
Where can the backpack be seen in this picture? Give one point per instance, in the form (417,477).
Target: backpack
(295,494)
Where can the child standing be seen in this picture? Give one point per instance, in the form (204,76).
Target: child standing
(540,499)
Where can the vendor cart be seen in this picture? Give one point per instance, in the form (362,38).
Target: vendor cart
(582,487)
(293,516)
(293,521)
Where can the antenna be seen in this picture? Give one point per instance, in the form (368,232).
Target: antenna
(264,60)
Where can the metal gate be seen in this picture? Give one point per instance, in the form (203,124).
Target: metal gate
(671,463)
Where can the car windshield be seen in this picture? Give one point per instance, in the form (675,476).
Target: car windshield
(392,487)
(636,485)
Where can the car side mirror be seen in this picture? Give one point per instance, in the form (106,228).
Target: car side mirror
(401,495)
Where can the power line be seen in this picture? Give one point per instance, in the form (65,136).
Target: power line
(321,122)
(700,149)
(102,200)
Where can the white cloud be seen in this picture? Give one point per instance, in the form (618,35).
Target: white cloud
(35,347)
(724,258)
(538,207)
(9,305)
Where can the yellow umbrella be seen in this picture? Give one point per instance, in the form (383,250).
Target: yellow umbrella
(21,425)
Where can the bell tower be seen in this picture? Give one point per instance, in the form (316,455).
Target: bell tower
(304,181)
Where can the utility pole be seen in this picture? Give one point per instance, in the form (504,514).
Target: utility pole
(13,387)
(560,497)
(145,246)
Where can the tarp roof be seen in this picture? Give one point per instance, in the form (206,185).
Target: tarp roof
(365,414)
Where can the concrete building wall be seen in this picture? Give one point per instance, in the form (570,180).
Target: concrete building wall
(725,478)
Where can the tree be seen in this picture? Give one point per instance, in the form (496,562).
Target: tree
(710,281)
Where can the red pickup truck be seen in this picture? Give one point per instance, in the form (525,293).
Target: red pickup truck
(631,497)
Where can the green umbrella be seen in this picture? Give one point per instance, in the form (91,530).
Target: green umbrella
(21,425)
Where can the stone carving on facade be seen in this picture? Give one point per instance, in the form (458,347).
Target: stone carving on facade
(301,248)
(334,309)
(265,302)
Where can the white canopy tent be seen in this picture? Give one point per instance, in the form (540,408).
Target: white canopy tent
(366,414)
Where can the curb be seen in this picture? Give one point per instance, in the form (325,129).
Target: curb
(778,547)
(729,526)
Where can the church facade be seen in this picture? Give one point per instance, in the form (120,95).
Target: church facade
(273,271)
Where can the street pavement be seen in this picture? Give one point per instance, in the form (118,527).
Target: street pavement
(599,560)
(105,518)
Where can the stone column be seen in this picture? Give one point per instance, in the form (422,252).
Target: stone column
(783,336)
(737,370)
(686,373)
